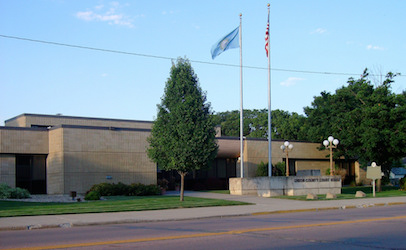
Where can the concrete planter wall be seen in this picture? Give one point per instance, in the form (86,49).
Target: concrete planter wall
(281,185)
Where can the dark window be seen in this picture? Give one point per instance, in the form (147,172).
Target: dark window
(31,173)
(40,126)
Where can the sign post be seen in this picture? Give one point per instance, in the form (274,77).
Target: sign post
(374,173)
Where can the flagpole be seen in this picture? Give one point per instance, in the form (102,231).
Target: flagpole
(241,108)
(269,103)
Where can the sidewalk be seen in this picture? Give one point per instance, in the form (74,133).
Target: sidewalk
(261,205)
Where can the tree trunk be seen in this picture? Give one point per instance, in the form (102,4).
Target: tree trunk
(182,184)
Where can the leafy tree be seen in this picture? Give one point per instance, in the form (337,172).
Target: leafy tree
(230,123)
(285,125)
(369,121)
(183,135)
(288,126)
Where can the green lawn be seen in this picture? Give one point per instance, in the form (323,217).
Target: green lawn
(112,204)
(349,193)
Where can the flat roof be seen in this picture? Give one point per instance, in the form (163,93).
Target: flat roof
(76,117)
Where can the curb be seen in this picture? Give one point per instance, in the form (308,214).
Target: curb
(69,225)
(331,208)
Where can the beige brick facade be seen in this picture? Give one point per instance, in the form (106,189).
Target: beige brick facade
(23,141)
(7,170)
(55,163)
(81,152)
(103,155)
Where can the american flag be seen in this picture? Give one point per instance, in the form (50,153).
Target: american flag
(267,37)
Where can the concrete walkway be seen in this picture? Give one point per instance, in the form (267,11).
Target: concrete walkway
(260,205)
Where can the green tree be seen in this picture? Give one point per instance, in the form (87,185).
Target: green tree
(369,121)
(288,126)
(183,135)
(285,125)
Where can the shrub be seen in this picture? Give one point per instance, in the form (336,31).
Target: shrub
(152,190)
(19,193)
(92,196)
(262,169)
(135,189)
(279,169)
(104,189)
(120,189)
(138,189)
(5,191)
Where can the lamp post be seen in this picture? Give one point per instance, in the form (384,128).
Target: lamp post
(331,143)
(286,147)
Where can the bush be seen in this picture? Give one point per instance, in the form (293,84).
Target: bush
(120,189)
(279,169)
(92,196)
(104,189)
(7,192)
(19,193)
(135,189)
(152,190)
(111,189)
(262,169)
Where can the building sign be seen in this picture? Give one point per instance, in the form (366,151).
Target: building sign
(322,179)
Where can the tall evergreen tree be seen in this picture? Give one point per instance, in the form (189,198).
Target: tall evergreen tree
(183,134)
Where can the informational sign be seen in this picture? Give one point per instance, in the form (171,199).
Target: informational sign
(374,173)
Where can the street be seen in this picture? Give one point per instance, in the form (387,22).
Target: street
(359,228)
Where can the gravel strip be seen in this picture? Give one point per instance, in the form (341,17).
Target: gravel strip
(49,198)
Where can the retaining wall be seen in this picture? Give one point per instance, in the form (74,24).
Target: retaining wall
(289,185)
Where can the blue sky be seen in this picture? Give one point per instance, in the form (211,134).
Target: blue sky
(336,36)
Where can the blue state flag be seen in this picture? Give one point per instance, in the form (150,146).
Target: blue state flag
(230,41)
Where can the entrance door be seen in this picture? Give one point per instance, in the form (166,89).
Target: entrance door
(31,173)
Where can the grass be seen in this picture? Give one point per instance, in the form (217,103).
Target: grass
(112,204)
(349,193)
(128,203)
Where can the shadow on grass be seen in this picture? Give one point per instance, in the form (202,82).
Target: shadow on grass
(111,204)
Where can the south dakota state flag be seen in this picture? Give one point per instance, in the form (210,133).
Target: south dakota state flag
(230,41)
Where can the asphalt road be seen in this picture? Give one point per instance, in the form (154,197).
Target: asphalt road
(360,228)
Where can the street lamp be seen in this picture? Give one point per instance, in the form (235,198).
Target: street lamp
(286,147)
(331,143)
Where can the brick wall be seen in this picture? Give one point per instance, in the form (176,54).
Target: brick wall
(8,169)
(92,156)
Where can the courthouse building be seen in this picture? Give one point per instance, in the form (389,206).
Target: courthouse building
(55,154)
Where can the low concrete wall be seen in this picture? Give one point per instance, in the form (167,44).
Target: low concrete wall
(281,185)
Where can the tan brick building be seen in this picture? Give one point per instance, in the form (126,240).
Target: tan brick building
(57,154)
